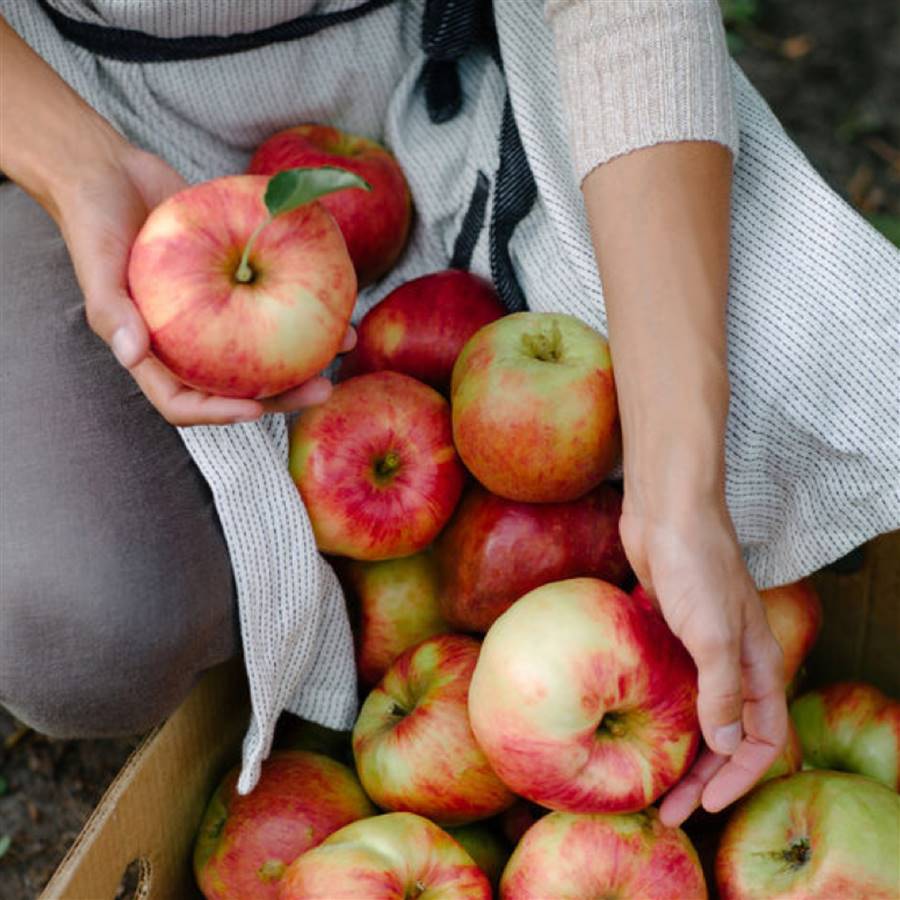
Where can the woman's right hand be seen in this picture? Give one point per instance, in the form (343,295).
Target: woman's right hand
(100,189)
(100,215)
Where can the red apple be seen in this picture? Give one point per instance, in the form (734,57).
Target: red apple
(534,407)
(375,225)
(812,835)
(852,727)
(495,550)
(398,856)
(376,467)
(421,326)
(601,855)
(583,700)
(794,613)
(246,842)
(396,607)
(235,338)
(413,744)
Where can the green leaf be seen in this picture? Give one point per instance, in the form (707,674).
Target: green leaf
(289,189)
(888,225)
(4,786)
(5,841)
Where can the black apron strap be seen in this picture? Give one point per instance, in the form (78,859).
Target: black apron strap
(450,30)
(127,45)
(515,191)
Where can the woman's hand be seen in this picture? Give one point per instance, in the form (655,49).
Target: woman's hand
(660,223)
(100,217)
(100,189)
(691,563)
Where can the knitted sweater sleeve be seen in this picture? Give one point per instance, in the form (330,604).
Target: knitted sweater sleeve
(634,73)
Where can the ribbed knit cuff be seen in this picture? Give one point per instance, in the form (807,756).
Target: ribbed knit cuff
(634,73)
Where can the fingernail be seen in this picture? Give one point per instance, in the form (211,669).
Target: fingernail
(728,738)
(124,346)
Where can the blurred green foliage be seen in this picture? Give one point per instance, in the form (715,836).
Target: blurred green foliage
(736,13)
(888,225)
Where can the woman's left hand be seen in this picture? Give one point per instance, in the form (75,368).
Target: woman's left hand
(693,566)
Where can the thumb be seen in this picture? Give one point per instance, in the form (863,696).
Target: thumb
(720,697)
(114,317)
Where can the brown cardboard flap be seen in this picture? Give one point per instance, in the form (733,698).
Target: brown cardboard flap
(153,808)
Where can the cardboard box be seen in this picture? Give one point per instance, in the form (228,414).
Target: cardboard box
(153,808)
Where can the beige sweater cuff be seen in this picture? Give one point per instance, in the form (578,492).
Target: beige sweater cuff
(634,73)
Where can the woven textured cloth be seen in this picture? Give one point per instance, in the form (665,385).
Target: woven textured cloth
(813,441)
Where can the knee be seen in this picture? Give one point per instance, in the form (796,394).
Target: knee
(92,656)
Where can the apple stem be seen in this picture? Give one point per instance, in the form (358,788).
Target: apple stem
(244,273)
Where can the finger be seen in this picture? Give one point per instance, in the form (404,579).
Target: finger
(684,798)
(181,405)
(113,316)
(720,695)
(764,717)
(349,341)
(313,392)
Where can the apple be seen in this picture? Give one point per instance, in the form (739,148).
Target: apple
(235,326)
(397,856)
(486,847)
(790,759)
(602,855)
(395,606)
(534,407)
(294,733)
(421,326)
(794,613)
(852,727)
(376,467)
(813,834)
(374,225)
(495,550)
(414,748)
(246,842)
(583,700)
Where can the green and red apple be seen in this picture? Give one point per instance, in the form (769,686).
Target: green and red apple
(246,841)
(398,856)
(534,407)
(569,855)
(413,745)
(487,847)
(815,834)
(494,551)
(790,759)
(421,326)
(376,467)
(583,700)
(852,727)
(395,606)
(243,294)
(374,225)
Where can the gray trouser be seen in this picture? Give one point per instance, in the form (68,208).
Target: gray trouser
(116,589)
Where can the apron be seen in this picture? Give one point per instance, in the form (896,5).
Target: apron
(469,102)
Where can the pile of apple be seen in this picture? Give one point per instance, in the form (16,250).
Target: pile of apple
(524,703)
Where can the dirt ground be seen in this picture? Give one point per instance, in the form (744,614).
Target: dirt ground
(830,70)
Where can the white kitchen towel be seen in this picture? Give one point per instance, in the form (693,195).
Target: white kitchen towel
(813,441)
